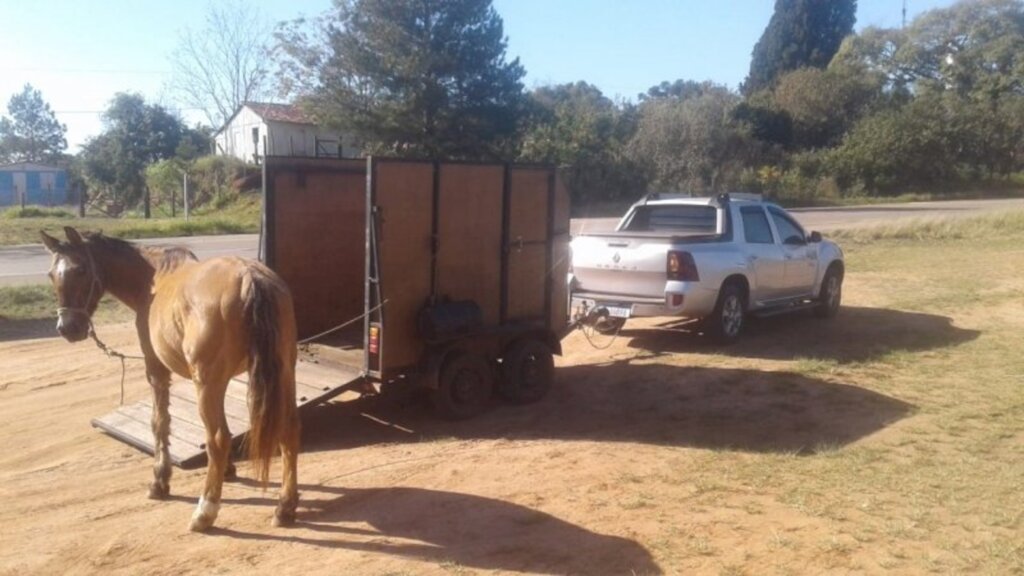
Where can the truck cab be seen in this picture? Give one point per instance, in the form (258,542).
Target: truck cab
(713,259)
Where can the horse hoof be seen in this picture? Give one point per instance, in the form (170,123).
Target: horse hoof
(283,519)
(158,492)
(200,523)
(230,473)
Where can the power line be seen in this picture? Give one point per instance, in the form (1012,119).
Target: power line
(86,70)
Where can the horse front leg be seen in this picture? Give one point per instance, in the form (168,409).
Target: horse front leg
(160,381)
(218,450)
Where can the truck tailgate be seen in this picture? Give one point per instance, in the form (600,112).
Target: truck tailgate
(628,265)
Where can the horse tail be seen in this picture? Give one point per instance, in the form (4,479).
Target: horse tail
(271,400)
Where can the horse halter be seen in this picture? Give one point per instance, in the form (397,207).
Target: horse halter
(94,281)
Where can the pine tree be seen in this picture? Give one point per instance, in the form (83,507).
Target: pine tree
(32,133)
(801,33)
(415,77)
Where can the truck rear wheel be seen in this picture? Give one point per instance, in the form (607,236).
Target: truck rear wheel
(726,322)
(465,385)
(526,371)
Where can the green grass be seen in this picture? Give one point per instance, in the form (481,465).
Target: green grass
(36,212)
(241,216)
(38,302)
(994,226)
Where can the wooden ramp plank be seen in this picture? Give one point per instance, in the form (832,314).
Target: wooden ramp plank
(315,383)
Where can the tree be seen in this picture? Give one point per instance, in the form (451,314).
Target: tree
(135,135)
(577,127)
(32,133)
(411,77)
(224,64)
(801,33)
(974,47)
(693,144)
(823,104)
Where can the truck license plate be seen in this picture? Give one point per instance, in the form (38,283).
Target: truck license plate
(619,311)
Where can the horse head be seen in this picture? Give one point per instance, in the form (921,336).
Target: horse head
(76,281)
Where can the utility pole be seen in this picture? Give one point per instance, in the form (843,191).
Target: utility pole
(904,14)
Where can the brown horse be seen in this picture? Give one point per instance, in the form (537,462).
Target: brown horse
(207,321)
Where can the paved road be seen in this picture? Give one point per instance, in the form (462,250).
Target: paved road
(28,264)
(826,219)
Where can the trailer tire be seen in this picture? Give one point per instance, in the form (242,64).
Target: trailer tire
(527,371)
(465,385)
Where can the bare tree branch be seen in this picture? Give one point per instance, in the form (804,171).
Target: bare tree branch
(225,63)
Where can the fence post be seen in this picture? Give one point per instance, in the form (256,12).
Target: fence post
(21,196)
(81,201)
(185,191)
(146,203)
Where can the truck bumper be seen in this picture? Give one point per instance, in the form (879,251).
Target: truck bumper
(681,299)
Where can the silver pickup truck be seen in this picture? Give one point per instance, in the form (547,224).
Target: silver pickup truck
(709,259)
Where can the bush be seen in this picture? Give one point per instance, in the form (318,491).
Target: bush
(36,212)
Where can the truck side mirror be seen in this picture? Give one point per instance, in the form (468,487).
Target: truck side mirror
(814,238)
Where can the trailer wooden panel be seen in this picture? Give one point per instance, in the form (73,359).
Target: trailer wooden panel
(469,208)
(314,232)
(403,196)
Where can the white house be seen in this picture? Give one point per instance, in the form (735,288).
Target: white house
(259,129)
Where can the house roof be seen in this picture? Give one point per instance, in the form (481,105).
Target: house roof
(272,112)
(279,112)
(29,167)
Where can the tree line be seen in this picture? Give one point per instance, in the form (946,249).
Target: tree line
(825,112)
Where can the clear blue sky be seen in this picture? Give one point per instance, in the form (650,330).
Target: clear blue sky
(80,53)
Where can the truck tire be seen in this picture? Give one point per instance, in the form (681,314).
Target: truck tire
(465,385)
(831,294)
(527,371)
(726,322)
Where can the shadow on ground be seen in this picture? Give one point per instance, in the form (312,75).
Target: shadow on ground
(857,334)
(638,401)
(442,527)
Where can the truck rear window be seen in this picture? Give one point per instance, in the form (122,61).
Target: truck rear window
(690,219)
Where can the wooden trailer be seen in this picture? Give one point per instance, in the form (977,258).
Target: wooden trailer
(450,276)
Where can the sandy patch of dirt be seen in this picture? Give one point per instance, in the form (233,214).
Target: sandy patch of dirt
(638,462)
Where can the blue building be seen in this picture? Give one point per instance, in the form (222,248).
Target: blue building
(40,184)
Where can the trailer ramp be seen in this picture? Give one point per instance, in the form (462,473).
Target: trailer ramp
(316,382)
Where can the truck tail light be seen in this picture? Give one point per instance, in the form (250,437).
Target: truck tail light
(681,267)
(374,344)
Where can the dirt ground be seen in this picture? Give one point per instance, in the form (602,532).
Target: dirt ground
(658,455)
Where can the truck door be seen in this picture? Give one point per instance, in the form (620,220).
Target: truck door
(801,259)
(764,256)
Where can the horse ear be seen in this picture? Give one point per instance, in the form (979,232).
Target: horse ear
(73,236)
(51,243)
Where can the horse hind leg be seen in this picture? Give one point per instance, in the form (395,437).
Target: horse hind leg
(161,424)
(288,501)
(218,450)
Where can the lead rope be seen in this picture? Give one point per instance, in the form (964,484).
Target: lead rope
(111,353)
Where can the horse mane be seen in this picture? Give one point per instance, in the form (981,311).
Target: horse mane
(163,259)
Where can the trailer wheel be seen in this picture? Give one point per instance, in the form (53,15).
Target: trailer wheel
(526,371)
(465,385)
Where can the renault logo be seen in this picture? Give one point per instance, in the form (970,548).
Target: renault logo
(616,258)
